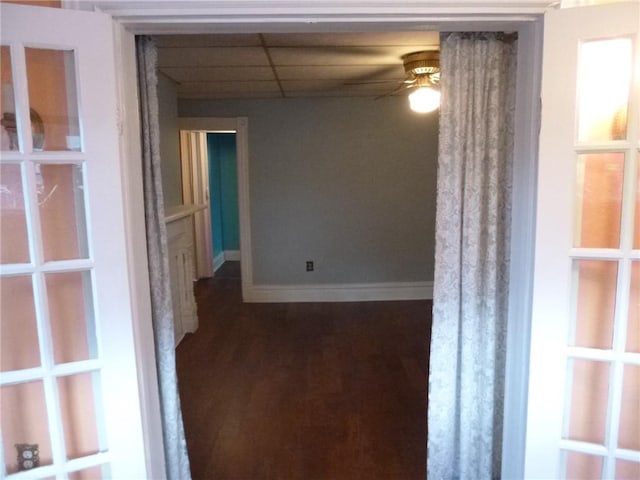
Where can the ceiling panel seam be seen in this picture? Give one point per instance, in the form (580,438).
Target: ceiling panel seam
(273,67)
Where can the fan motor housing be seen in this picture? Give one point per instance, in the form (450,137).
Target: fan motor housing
(422,63)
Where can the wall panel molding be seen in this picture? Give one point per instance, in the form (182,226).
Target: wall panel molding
(366,292)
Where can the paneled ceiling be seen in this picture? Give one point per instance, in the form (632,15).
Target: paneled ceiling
(288,65)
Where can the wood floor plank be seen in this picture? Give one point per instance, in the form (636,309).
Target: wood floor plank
(304,390)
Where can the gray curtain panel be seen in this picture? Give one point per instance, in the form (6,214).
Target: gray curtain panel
(471,286)
(175,445)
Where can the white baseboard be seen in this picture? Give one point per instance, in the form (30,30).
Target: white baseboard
(338,293)
(218,261)
(233,255)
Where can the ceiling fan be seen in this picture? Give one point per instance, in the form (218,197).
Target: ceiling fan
(422,70)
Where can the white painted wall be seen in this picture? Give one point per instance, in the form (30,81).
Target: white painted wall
(169,141)
(348,183)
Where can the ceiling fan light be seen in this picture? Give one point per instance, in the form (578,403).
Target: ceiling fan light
(424,100)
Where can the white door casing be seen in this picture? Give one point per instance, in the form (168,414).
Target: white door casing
(239,126)
(195,191)
(90,37)
(245,18)
(281,16)
(554,349)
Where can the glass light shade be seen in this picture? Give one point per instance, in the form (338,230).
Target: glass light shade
(424,100)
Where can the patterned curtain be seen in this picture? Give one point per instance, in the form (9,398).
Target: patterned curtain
(175,447)
(471,288)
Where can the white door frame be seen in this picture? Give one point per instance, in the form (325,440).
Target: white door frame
(137,255)
(466,15)
(195,191)
(239,126)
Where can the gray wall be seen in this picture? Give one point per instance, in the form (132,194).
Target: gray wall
(169,142)
(347,183)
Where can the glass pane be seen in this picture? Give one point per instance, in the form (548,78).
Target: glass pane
(604,80)
(62,212)
(14,247)
(636,219)
(93,473)
(53,99)
(581,466)
(18,328)
(595,302)
(629,435)
(633,323)
(589,382)
(71,316)
(78,410)
(23,416)
(626,470)
(599,179)
(7,102)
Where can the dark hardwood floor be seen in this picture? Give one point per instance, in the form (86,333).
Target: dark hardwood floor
(304,390)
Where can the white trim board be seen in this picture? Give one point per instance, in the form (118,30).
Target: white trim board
(363,292)
(523,234)
(232,255)
(218,261)
(227,255)
(280,16)
(130,148)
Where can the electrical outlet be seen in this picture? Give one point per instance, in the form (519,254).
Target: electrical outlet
(28,456)
(309,265)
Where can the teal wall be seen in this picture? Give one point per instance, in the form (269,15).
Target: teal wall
(223,188)
(214,193)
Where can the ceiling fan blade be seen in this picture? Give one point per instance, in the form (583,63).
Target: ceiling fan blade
(375,74)
(372,82)
(397,90)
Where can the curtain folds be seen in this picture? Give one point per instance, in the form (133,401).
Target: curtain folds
(177,460)
(471,287)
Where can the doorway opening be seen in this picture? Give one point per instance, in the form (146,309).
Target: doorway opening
(223,198)
(254,205)
(217,178)
(209,169)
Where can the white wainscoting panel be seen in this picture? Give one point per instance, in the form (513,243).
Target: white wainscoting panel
(182,269)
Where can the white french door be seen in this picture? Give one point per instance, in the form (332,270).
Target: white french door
(69,405)
(584,392)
